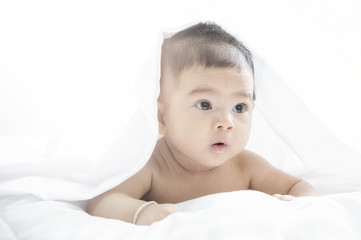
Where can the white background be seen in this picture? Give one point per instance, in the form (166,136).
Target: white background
(50,51)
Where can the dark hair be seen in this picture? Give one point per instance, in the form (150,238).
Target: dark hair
(205,44)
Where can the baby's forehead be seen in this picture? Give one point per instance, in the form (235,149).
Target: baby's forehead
(209,80)
(196,71)
(202,77)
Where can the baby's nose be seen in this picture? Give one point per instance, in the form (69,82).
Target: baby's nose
(224,123)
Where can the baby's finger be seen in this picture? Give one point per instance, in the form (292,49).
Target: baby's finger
(284,197)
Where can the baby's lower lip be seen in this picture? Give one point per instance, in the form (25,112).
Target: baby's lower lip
(219,147)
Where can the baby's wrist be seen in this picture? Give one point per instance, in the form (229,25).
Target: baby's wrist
(140,210)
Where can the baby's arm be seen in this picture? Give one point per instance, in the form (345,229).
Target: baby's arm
(266,178)
(299,189)
(122,202)
(302,188)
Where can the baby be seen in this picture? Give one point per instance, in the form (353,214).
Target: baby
(204,112)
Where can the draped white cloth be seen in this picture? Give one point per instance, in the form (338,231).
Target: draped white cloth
(78,91)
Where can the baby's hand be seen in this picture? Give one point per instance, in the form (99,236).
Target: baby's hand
(156,212)
(283,197)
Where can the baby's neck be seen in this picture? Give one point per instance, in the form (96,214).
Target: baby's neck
(178,164)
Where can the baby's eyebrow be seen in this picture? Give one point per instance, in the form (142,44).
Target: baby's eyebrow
(243,95)
(200,90)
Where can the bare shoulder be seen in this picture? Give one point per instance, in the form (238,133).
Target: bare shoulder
(263,176)
(138,184)
(248,160)
(253,166)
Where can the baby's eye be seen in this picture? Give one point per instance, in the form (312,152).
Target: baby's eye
(204,105)
(239,108)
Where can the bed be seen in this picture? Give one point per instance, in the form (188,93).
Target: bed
(233,215)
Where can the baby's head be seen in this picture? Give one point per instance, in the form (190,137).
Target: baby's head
(206,98)
(206,45)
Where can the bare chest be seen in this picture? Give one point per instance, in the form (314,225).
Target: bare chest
(172,188)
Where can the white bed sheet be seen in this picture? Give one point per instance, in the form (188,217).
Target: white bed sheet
(234,215)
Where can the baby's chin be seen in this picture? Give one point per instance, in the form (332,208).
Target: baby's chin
(203,167)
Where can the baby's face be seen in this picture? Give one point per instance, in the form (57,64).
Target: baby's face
(207,115)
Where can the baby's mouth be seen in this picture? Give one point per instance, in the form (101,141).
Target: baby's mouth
(219,146)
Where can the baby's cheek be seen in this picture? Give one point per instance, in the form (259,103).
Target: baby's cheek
(242,137)
(192,123)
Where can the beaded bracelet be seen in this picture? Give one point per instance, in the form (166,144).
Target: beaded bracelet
(140,209)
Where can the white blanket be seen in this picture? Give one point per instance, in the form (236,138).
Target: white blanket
(78,117)
(234,215)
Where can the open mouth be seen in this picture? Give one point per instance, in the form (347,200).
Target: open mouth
(219,146)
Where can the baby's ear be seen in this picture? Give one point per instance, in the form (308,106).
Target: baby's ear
(162,128)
